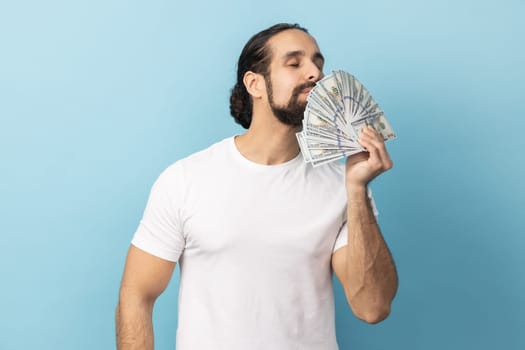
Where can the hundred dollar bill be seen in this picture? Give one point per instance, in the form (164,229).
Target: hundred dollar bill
(315,142)
(304,148)
(379,123)
(330,87)
(322,104)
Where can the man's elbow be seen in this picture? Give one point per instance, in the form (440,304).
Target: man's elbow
(373,315)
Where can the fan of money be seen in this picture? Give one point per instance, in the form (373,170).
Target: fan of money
(337,109)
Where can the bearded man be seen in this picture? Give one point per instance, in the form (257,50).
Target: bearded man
(256,231)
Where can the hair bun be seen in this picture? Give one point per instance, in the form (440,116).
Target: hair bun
(240,106)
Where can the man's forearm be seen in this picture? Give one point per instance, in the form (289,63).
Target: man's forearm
(134,325)
(371,274)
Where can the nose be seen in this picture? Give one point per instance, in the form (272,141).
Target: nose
(314,73)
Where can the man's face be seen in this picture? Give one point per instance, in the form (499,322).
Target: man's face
(295,67)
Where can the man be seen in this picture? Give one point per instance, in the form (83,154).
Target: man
(258,232)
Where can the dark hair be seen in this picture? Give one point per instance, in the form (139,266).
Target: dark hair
(254,57)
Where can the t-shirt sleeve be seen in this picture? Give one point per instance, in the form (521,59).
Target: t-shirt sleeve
(160,231)
(342,236)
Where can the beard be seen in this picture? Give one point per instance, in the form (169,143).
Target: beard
(293,113)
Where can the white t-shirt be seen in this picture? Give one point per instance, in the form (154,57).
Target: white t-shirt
(254,244)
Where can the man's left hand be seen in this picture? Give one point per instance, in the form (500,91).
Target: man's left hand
(361,168)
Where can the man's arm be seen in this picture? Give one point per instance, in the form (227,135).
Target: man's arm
(365,266)
(145,278)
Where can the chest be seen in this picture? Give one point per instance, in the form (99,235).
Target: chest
(272,215)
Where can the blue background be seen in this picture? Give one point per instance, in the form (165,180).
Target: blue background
(98,97)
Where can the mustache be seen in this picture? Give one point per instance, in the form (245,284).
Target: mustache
(298,89)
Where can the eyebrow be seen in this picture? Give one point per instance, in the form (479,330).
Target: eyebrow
(297,53)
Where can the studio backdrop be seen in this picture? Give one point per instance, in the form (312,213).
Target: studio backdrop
(98,97)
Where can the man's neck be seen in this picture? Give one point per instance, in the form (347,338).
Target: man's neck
(269,143)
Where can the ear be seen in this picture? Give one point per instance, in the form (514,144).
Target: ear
(254,84)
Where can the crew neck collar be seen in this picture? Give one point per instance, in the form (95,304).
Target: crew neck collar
(237,154)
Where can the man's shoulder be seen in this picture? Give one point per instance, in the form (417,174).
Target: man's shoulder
(216,149)
(202,158)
